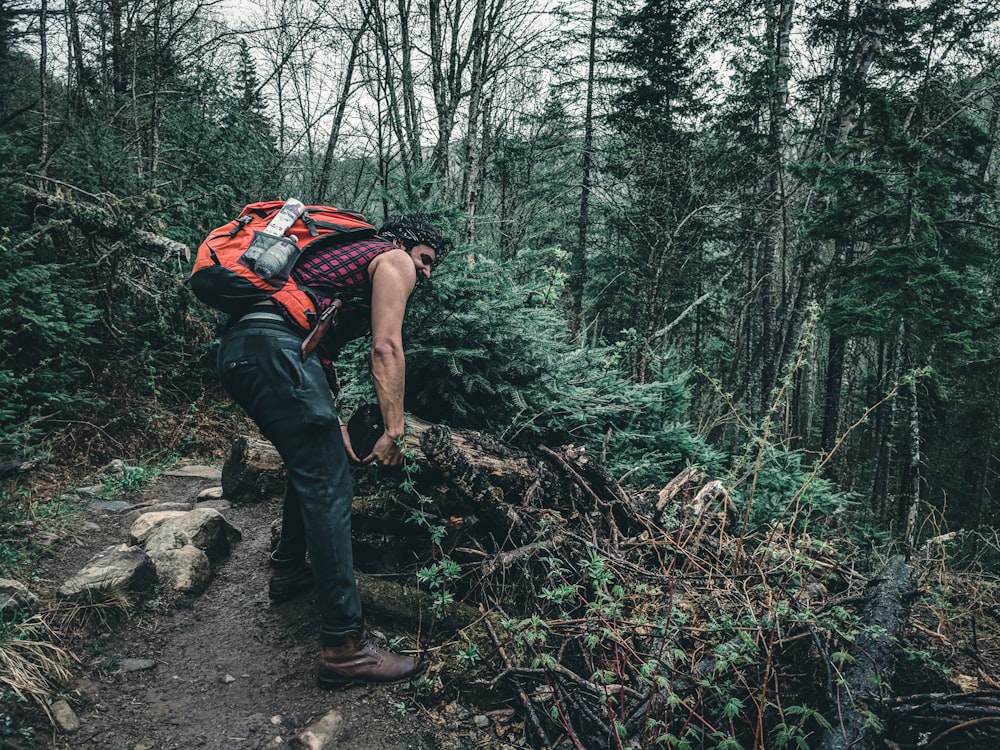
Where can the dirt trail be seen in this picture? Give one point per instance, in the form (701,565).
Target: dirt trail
(229,670)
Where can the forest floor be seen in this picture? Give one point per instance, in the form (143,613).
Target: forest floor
(225,669)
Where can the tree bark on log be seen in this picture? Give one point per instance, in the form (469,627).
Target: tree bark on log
(253,471)
(480,476)
(860,690)
(388,600)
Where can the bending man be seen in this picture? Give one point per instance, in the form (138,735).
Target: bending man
(290,400)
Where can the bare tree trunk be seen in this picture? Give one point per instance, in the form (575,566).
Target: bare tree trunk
(323,179)
(446,81)
(993,131)
(885,439)
(118,74)
(851,83)
(770,271)
(866,49)
(154,107)
(398,92)
(411,119)
(384,159)
(985,469)
(78,94)
(470,166)
(832,390)
(913,473)
(578,277)
(43,81)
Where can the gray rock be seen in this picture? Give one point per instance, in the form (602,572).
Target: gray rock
(15,596)
(157,507)
(117,567)
(136,665)
(117,466)
(219,505)
(204,528)
(91,489)
(210,493)
(150,521)
(195,471)
(320,735)
(185,569)
(64,716)
(110,506)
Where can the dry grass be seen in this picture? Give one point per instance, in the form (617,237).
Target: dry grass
(102,610)
(32,665)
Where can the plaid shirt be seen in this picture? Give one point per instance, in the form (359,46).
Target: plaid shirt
(341,270)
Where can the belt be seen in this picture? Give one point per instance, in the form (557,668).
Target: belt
(263,315)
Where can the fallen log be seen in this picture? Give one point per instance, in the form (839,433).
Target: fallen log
(965,719)
(480,477)
(476,468)
(253,471)
(860,691)
(389,600)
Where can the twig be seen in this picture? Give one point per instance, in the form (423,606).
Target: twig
(963,725)
(532,716)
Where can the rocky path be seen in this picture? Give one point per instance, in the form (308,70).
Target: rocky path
(226,669)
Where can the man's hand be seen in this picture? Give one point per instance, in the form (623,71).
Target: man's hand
(385,453)
(348,448)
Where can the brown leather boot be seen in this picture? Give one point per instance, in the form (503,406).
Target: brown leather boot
(360,660)
(288,580)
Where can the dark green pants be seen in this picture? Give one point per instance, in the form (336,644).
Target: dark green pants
(290,400)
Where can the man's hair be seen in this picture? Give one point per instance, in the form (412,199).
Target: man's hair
(415,229)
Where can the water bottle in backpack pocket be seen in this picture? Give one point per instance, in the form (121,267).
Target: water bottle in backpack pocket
(271,257)
(271,254)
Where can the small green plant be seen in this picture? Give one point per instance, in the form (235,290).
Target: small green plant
(423,685)
(437,578)
(9,557)
(394,645)
(131,480)
(468,656)
(56,511)
(7,726)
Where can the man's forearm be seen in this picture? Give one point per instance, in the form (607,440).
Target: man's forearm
(389,376)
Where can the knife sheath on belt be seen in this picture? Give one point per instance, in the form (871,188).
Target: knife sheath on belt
(326,319)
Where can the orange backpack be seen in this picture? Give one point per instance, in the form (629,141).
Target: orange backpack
(226,274)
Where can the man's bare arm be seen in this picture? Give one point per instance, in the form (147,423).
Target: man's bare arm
(393,279)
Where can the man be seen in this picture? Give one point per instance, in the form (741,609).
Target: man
(261,367)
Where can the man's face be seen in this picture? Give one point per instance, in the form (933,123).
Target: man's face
(424,256)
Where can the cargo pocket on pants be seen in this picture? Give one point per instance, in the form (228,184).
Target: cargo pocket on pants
(312,393)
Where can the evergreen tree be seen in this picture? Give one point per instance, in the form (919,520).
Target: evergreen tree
(484,352)
(902,197)
(531,173)
(249,162)
(653,270)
